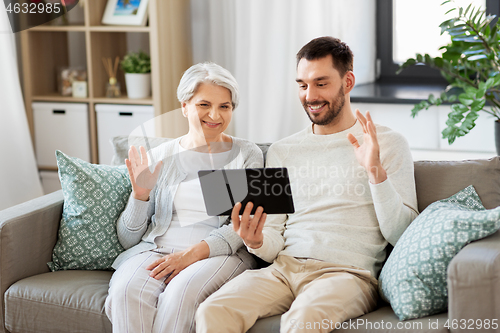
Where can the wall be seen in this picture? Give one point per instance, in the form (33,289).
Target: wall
(424,132)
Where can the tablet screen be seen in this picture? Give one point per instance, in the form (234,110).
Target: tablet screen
(266,187)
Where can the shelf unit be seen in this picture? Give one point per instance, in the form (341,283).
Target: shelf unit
(47,47)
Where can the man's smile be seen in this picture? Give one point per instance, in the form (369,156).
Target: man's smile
(316,108)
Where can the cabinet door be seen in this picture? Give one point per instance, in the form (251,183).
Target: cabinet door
(61,126)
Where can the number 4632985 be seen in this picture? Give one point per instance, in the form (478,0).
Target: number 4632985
(471,324)
(34,8)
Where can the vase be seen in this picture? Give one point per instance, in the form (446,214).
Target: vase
(497,136)
(138,85)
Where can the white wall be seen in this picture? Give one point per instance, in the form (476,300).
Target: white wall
(424,131)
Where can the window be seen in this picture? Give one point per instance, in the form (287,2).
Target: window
(400,34)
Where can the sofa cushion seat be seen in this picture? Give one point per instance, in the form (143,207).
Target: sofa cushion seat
(75,298)
(381,320)
(372,322)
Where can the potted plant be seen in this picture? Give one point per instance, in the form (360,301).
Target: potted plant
(470,63)
(137,68)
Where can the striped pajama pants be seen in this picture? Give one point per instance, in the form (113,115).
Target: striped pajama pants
(137,303)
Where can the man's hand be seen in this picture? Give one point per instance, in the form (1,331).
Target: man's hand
(247,227)
(368,154)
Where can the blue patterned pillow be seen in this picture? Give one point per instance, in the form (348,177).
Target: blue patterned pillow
(94,197)
(413,280)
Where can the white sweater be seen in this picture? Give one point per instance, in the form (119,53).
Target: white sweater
(340,217)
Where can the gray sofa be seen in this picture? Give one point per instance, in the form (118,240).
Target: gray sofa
(36,300)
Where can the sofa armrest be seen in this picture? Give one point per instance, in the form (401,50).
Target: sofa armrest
(474,284)
(28,233)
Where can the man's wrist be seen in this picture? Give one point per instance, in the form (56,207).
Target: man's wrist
(377,174)
(254,246)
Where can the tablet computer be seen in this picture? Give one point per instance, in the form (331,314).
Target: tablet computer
(266,187)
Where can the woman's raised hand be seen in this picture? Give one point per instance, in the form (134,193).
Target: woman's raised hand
(141,177)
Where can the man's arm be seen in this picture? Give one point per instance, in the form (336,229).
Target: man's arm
(391,178)
(395,201)
(262,234)
(224,241)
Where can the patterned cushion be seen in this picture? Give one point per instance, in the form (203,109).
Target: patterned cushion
(413,279)
(94,197)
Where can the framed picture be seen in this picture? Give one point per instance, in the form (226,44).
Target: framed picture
(126,12)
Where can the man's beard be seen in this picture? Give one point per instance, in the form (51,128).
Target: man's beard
(331,113)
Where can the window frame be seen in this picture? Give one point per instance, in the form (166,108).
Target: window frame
(386,67)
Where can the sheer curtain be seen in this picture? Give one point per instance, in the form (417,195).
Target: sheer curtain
(257,41)
(19,180)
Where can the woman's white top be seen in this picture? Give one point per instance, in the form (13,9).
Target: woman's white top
(190,222)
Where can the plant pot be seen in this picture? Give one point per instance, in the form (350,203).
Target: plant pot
(497,136)
(138,85)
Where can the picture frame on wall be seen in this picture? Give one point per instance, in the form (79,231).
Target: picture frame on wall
(126,12)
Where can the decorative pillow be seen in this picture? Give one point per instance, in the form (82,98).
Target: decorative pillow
(413,280)
(94,197)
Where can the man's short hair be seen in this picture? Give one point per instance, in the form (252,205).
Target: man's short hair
(323,46)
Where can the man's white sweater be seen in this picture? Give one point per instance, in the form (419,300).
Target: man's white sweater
(340,217)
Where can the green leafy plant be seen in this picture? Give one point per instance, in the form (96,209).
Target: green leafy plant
(139,63)
(470,64)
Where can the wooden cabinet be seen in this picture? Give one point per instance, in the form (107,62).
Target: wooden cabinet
(47,47)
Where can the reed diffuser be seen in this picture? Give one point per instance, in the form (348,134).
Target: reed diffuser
(113,86)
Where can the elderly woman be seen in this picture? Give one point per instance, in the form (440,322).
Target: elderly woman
(176,254)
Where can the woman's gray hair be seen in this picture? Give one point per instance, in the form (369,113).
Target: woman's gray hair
(207,72)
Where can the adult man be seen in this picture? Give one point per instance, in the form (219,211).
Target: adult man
(353,191)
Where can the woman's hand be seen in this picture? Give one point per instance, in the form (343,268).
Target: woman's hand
(141,178)
(172,264)
(368,153)
(249,228)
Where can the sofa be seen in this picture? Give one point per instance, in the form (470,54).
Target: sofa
(37,300)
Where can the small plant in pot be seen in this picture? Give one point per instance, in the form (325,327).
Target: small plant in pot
(137,68)
(471,65)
